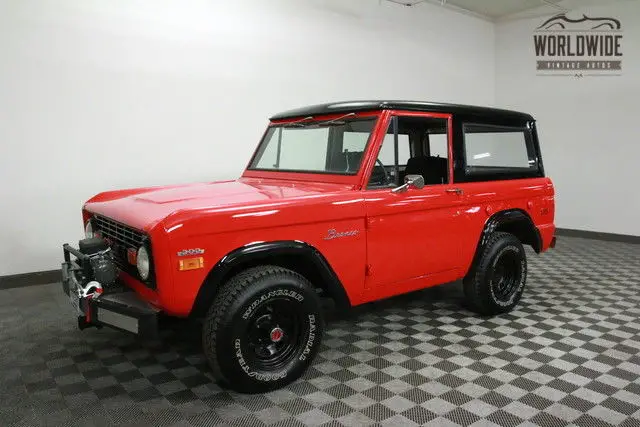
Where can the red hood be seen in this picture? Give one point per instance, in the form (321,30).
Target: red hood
(143,208)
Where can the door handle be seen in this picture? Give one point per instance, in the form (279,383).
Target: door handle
(457,191)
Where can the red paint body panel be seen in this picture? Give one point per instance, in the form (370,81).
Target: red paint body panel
(405,241)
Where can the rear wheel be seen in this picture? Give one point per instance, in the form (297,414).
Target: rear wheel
(496,283)
(263,329)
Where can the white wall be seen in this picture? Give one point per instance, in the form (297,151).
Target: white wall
(98,95)
(588,127)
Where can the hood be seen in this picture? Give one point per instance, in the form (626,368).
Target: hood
(143,208)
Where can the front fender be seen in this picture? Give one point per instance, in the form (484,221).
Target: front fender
(293,254)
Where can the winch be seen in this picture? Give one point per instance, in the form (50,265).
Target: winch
(100,258)
(96,293)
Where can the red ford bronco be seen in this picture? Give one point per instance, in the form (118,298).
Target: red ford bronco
(355,201)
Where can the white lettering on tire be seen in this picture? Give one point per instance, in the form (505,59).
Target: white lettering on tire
(278,292)
(311,339)
(522,277)
(253,374)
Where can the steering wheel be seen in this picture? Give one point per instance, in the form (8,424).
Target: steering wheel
(387,178)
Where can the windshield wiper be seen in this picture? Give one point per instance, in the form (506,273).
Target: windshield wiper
(303,122)
(298,123)
(336,121)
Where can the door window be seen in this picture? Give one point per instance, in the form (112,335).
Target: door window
(387,152)
(422,149)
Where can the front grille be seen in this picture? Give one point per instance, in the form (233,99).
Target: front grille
(121,238)
(118,233)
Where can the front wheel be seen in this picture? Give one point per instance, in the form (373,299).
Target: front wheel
(496,283)
(263,329)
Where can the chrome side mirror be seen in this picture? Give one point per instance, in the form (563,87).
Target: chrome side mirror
(410,181)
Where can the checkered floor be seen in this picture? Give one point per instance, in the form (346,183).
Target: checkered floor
(569,355)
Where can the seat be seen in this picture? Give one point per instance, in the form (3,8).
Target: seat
(434,170)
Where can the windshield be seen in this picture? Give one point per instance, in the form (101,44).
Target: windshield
(334,147)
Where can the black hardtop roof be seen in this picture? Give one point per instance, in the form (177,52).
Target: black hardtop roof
(357,106)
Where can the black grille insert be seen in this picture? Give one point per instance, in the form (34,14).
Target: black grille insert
(121,238)
(118,233)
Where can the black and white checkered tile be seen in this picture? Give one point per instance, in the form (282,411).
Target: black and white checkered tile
(569,355)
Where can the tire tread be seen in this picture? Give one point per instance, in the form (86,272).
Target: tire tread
(227,295)
(476,297)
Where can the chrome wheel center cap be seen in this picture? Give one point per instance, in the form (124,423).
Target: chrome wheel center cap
(276,334)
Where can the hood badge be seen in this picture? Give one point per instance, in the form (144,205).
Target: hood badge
(333,234)
(190,252)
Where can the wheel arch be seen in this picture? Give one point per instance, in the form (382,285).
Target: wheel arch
(292,254)
(517,222)
(514,221)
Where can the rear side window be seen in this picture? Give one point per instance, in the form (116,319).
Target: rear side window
(499,152)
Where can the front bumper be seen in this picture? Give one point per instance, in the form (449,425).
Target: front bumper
(120,308)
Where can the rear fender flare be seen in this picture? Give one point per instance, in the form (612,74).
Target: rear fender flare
(508,220)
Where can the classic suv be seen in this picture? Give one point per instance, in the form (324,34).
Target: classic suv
(355,201)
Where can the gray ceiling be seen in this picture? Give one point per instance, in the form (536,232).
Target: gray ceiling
(498,10)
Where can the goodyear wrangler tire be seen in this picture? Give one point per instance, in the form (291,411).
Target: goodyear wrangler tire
(496,283)
(263,329)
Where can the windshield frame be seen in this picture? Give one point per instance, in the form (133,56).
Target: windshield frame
(310,175)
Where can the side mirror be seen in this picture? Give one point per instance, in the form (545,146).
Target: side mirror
(410,181)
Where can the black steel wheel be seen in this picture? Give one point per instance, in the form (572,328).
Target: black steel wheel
(506,275)
(274,334)
(263,329)
(497,281)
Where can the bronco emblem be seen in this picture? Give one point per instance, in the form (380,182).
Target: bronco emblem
(333,234)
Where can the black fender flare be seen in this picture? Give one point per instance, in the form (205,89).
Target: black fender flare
(511,216)
(510,219)
(263,253)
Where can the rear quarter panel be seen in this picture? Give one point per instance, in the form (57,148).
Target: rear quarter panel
(535,196)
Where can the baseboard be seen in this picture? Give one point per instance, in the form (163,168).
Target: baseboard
(596,235)
(30,279)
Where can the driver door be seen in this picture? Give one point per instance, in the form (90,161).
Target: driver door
(412,233)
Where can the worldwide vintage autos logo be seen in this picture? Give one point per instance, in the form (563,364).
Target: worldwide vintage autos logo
(578,47)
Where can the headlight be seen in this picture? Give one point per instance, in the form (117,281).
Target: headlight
(143,263)
(88,231)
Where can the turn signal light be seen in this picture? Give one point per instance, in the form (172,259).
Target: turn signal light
(191,263)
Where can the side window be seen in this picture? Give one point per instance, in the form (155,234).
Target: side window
(439,144)
(422,149)
(493,151)
(386,155)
